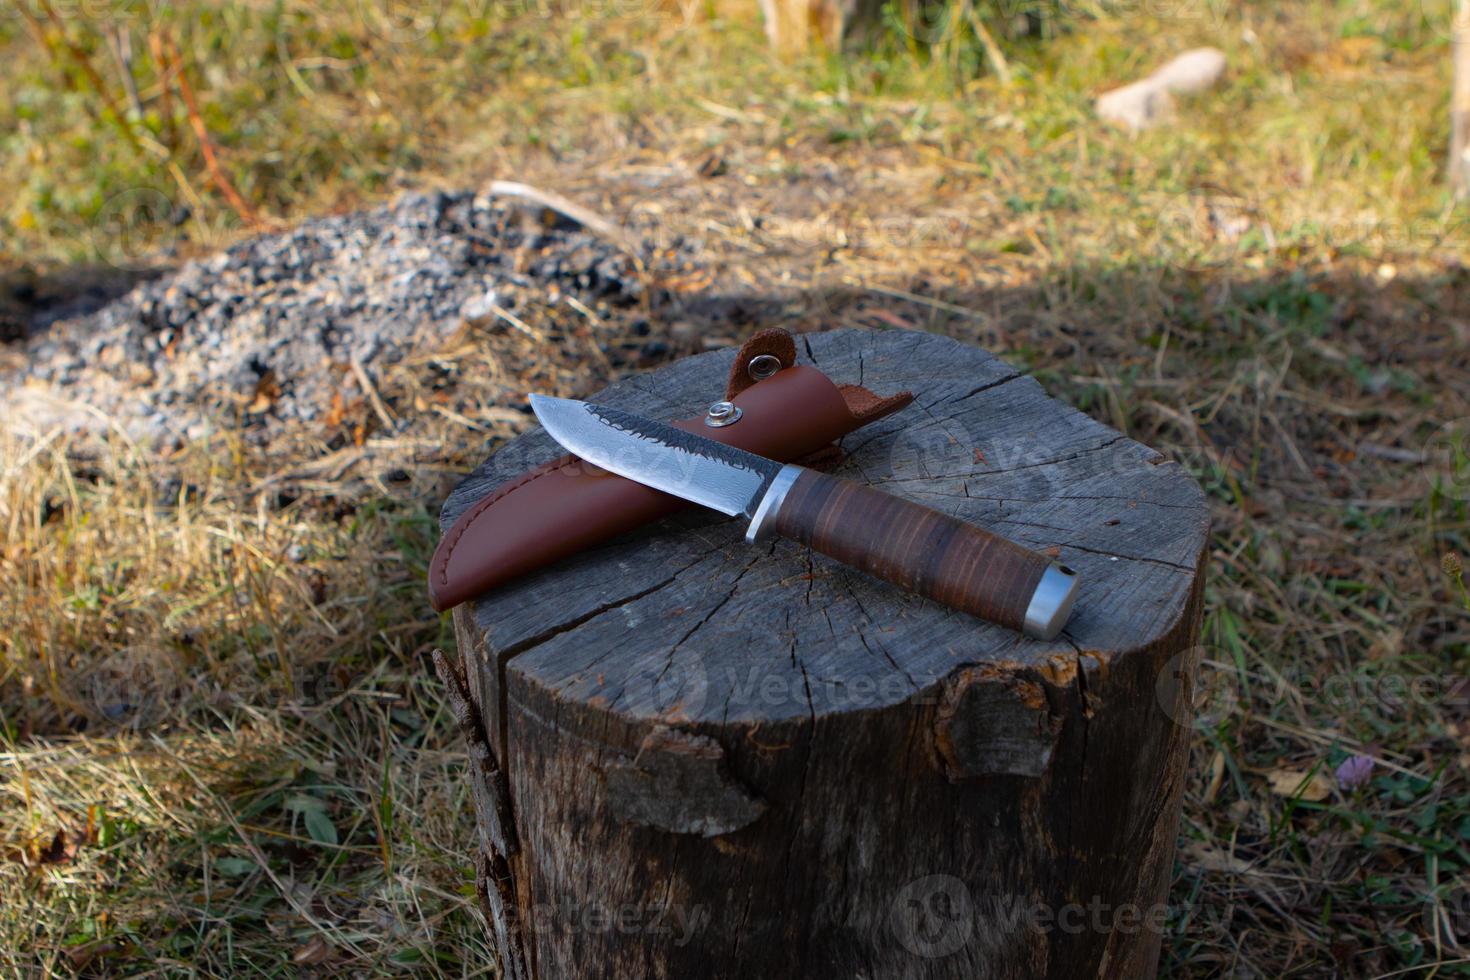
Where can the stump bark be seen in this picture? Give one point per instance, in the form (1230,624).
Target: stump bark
(695,758)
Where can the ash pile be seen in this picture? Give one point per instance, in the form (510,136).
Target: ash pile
(269,332)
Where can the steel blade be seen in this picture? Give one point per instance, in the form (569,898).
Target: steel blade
(731,481)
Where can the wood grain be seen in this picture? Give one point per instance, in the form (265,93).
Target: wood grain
(908,759)
(912,546)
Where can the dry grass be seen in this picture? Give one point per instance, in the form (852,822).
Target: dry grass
(213,657)
(262,773)
(242,665)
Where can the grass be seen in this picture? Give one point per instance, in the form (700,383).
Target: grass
(214,683)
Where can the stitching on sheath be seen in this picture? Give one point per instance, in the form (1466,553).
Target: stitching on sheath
(463,524)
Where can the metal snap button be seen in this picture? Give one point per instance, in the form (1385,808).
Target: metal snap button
(722,414)
(762,366)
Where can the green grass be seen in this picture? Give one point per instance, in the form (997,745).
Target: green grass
(322,109)
(1272,291)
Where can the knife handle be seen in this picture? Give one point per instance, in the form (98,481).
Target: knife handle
(919,549)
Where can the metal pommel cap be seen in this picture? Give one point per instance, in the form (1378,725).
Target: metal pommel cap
(1051,603)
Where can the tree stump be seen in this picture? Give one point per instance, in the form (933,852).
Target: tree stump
(696,758)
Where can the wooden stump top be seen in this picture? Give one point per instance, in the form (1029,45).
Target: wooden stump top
(685,624)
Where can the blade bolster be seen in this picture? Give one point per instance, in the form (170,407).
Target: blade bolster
(761,524)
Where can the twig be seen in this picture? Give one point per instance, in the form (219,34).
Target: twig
(1391,453)
(595,320)
(165,94)
(993,53)
(291,72)
(196,120)
(366,384)
(516,322)
(458,419)
(725,112)
(120,40)
(929,301)
(195,201)
(583,309)
(581,215)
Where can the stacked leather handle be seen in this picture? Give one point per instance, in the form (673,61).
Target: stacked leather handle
(912,546)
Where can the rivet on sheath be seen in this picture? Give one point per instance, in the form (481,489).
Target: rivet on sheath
(722,414)
(762,366)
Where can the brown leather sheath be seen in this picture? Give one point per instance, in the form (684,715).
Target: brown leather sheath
(565,506)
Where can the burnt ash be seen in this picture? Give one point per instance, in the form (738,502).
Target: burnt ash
(189,350)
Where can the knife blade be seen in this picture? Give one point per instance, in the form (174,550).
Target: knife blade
(912,546)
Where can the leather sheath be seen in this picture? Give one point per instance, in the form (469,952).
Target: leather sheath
(565,506)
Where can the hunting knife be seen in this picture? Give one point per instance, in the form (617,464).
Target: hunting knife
(910,545)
